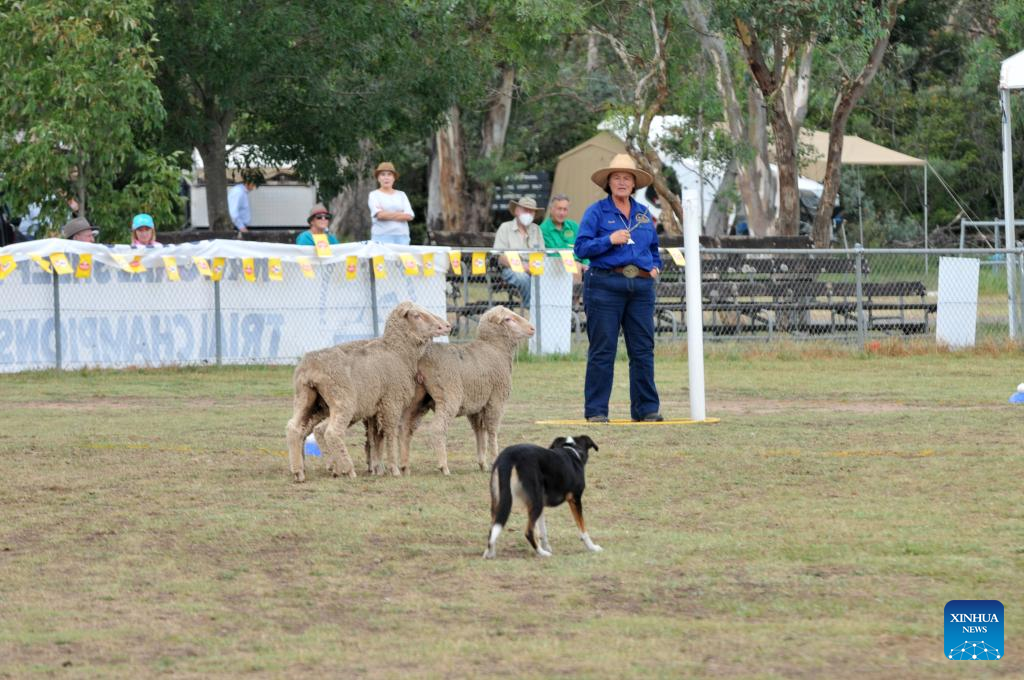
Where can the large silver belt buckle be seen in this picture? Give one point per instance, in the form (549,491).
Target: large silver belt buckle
(630,271)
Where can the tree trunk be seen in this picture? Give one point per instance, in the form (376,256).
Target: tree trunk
(213,152)
(451,171)
(717,223)
(846,99)
(351,221)
(492,147)
(788,220)
(435,216)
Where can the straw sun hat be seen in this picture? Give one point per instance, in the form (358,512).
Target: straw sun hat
(528,202)
(386,167)
(621,162)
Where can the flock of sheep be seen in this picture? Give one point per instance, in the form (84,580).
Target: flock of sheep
(389,383)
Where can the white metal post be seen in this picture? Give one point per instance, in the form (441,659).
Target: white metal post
(694,321)
(1008,223)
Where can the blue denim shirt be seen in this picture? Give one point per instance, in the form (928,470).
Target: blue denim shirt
(593,241)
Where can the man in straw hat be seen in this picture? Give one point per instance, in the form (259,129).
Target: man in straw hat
(318,220)
(520,233)
(618,236)
(79,229)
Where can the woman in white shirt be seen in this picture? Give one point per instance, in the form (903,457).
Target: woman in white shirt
(389,208)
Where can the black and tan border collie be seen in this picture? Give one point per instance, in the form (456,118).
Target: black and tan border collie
(540,477)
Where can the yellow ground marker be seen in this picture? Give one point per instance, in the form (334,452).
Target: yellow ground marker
(624,421)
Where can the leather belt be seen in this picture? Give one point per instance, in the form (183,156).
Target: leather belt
(631,271)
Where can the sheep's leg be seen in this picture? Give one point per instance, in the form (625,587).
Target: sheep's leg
(371,445)
(411,419)
(481,438)
(444,414)
(318,434)
(390,422)
(334,439)
(491,422)
(299,426)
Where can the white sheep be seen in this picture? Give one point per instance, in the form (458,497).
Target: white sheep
(373,379)
(474,380)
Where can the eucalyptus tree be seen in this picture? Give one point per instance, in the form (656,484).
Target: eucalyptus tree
(76,97)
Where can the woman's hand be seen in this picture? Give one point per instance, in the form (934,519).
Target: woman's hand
(619,237)
(655,272)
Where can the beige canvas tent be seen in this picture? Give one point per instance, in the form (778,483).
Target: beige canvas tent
(856,151)
(575,166)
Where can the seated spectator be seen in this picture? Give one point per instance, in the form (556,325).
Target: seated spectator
(559,231)
(319,219)
(519,233)
(144,231)
(79,229)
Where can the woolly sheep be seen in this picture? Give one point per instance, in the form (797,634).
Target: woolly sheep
(473,380)
(373,379)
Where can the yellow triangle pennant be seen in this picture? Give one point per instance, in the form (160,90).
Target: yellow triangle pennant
(379,270)
(428,264)
(171,268)
(274,270)
(7,265)
(677,256)
(323,246)
(249,269)
(203,266)
(514,263)
(84,268)
(121,261)
(43,264)
(568,261)
(536,264)
(479,263)
(306,267)
(351,267)
(412,267)
(455,257)
(60,263)
(135,265)
(217,269)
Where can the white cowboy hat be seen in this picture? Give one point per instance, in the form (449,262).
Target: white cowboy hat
(622,162)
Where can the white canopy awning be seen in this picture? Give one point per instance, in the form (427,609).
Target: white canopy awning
(1011,75)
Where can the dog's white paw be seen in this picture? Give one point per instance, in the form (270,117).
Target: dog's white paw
(541,552)
(489,554)
(594,547)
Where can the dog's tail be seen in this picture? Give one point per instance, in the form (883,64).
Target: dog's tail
(501,493)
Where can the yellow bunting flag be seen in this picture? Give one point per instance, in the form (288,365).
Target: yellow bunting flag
(249,269)
(274,269)
(379,270)
(217,269)
(514,263)
(568,261)
(455,257)
(428,264)
(351,267)
(412,267)
(536,264)
(135,265)
(171,268)
(60,263)
(306,267)
(323,246)
(677,256)
(479,263)
(84,268)
(121,261)
(43,264)
(7,265)
(202,265)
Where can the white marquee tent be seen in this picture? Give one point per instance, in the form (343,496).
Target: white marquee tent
(1011,77)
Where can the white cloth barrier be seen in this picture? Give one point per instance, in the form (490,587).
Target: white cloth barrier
(115,318)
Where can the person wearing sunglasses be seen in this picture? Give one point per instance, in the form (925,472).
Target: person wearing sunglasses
(319,220)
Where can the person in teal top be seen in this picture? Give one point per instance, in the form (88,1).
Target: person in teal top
(319,219)
(560,232)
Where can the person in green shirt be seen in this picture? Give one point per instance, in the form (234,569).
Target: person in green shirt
(560,232)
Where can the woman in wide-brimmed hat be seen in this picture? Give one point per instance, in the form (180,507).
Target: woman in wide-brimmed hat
(319,220)
(390,210)
(617,235)
(520,233)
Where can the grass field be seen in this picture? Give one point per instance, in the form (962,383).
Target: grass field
(148,526)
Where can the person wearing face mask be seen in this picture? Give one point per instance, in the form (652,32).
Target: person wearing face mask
(618,235)
(519,233)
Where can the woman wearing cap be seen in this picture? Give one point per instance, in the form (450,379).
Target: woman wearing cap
(389,208)
(319,219)
(618,236)
(143,231)
(520,233)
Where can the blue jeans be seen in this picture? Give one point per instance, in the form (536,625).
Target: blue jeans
(521,282)
(397,239)
(611,302)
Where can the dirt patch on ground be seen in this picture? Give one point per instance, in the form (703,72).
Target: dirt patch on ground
(791,405)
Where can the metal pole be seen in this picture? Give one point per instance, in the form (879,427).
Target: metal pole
(694,322)
(862,333)
(926,258)
(1008,224)
(962,229)
(373,299)
(860,205)
(536,313)
(217,334)
(56,321)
